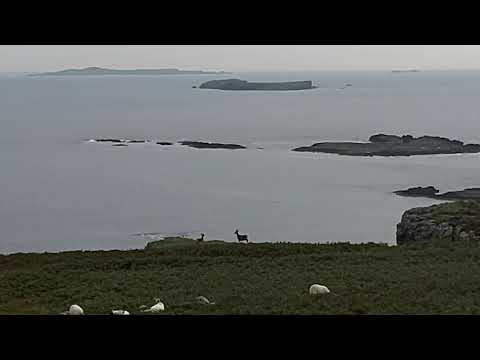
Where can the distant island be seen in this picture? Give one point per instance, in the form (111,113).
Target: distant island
(393,145)
(405,71)
(104,71)
(237,84)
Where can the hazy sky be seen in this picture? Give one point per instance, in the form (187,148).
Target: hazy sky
(34,58)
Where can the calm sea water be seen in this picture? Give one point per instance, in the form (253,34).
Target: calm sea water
(60,193)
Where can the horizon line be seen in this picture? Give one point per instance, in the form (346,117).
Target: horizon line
(254,70)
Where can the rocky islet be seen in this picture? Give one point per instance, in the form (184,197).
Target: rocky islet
(237,84)
(393,145)
(193,144)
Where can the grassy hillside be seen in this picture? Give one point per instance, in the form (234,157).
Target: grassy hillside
(247,279)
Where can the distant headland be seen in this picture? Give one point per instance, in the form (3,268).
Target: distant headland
(236,84)
(104,71)
(405,71)
(432,192)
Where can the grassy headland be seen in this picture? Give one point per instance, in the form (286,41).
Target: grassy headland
(260,278)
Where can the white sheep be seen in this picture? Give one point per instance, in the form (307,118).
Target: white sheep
(74,310)
(203,300)
(159,306)
(120,312)
(317,289)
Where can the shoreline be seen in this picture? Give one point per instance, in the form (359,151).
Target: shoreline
(187,242)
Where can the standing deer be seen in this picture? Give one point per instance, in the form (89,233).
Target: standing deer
(241,237)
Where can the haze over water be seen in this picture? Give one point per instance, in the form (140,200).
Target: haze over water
(59,192)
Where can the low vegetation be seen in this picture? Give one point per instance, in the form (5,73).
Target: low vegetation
(262,278)
(459,213)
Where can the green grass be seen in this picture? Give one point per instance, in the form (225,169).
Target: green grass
(460,213)
(248,279)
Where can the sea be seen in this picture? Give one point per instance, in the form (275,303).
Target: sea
(60,192)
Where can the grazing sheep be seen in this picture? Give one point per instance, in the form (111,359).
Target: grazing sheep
(203,300)
(200,239)
(74,310)
(316,289)
(241,237)
(159,306)
(120,312)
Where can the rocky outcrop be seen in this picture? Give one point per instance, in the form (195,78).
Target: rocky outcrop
(432,192)
(236,84)
(428,191)
(207,145)
(178,241)
(393,145)
(456,221)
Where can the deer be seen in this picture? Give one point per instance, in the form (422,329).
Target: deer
(241,237)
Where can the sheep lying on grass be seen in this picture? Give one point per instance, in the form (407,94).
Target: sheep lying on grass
(74,310)
(120,312)
(203,300)
(159,306)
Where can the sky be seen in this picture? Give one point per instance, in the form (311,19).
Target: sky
(38,58)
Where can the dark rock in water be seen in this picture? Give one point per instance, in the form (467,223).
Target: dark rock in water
(137,141)
(194,87)
(393,145)
(110,140)
(206,145)
(455,221)
(119,145)
(427,191)
(431,192)
(236,84)
(164,143)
